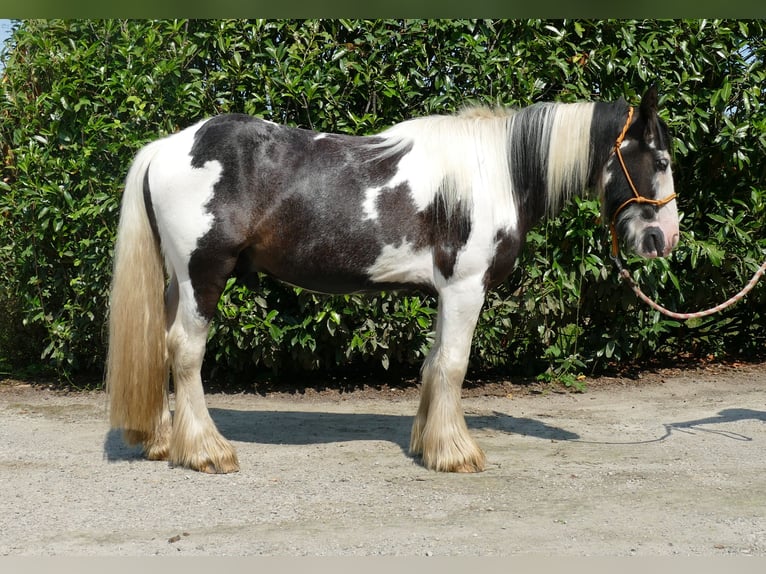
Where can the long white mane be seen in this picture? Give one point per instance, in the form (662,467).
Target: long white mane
(544,148)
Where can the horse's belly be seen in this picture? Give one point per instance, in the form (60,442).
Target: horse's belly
(340,269)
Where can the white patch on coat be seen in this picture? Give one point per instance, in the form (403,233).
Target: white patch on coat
(180,194)
(468,154)
(370,203)
(403,264)
(465,150)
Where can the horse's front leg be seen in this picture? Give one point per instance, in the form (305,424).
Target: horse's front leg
(439,433)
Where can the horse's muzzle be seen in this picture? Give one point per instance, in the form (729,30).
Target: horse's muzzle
(656,243)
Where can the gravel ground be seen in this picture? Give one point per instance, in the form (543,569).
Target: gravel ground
(669,464)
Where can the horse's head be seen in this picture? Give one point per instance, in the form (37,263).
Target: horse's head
(639,200)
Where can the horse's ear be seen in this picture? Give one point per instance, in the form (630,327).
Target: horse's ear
(648,108)
(649,102)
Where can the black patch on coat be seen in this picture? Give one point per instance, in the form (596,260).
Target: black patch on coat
(449,226)
(507,248)
(291,205)
(150,207)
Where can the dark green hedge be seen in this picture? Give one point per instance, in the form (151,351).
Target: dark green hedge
(80,97)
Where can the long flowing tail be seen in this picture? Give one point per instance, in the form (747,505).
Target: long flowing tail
(136,369)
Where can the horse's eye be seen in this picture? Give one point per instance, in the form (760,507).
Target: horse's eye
(661,164)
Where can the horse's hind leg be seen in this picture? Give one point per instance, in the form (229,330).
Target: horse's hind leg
(156,444)
(195,442)
(439,433)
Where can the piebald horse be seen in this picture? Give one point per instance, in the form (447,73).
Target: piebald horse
(438,203)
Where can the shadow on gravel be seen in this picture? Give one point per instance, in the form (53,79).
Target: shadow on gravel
(698,426)
(299,428)
(115,448)
(276,427)
(723,417)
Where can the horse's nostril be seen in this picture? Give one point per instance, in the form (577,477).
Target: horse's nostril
(654,241)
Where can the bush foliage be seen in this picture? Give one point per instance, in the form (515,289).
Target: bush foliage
(80,97)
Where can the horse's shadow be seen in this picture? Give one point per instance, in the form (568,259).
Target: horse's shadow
(279,427)
(305,428)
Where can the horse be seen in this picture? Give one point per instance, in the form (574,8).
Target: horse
(439,203)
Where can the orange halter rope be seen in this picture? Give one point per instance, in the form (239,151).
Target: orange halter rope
(637,198)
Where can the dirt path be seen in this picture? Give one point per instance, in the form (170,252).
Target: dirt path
(671,465)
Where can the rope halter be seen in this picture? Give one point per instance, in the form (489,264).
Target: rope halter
(637,197)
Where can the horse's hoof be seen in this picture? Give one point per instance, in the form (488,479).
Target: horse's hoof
(469,467)
(221,468)
(469,463)
(156,453)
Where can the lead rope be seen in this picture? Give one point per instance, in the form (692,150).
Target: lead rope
(625,274)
